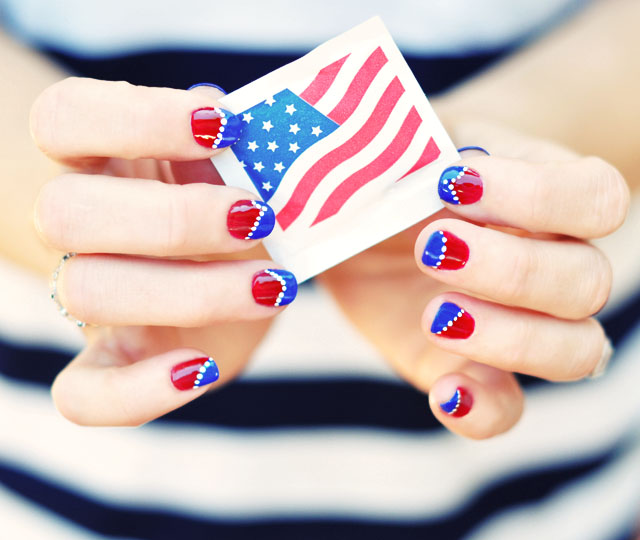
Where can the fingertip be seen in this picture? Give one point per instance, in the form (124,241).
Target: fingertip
(96,389)
(208,87)
(477,409)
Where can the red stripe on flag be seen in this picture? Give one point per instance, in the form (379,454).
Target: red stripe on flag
(358,87)
(335,157)
(429,154)
(324,79)
(373,170)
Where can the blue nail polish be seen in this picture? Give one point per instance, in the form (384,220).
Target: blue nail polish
(445,251)
(274,287)
(460,404)
(479,148)
(452,322)
(208,84)
(250,220)
(460,185)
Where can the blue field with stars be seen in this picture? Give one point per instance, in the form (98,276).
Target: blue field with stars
(276,132)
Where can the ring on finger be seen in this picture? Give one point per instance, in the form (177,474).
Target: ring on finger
(54,291)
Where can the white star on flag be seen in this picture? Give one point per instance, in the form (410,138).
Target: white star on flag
(293,147)
(267,126)
(290,109)
(258,166)
(278,167)
(293,128)
(266,186)
(316,131)
(253,146)
(272,146)
(246,117)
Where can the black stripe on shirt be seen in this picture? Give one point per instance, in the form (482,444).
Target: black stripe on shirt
(159,524)
(231,70)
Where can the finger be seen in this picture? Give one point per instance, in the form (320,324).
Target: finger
(584,198)
(479,402)
(78,118)
(569,279)
(113,290)
(100,214)
(102,387)
(514,340)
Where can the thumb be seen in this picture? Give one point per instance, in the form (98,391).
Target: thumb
(102,388)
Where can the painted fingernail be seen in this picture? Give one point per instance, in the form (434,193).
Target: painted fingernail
(214,127)
(194,373)
(460,185)
(452,322)
(274,287)
(445,251)
(250,220)
(478,148)
(460,404)
(212,86)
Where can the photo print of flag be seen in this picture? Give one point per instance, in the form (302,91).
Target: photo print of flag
(342,144)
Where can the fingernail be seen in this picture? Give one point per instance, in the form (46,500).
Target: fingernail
(452,322)
(214,127)
(460,404)
(460,185)
(212,86)
(194,373)
(478,148)
(274,287)
(250,220)
(445,251)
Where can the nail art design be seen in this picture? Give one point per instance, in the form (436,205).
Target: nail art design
(215,128)
(194,373)
(460,185)
(274,287)
(250,220)
(452,322)
(212,85)
(460,404)
(445,251)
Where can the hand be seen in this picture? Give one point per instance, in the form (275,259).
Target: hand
(150,244)
(518,265)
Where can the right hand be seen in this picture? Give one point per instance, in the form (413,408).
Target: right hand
(150,243)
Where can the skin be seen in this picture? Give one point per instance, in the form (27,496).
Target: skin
(538,237)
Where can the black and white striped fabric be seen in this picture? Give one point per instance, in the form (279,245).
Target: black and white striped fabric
(318,438)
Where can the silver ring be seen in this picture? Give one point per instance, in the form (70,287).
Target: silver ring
(601,366)
(54,291)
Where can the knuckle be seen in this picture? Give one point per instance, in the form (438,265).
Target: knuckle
(523,267)
(176,235)
(611,198)
(601,283)
(51,215)
(538,212)
(75,291)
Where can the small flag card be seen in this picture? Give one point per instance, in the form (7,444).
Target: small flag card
(342,144)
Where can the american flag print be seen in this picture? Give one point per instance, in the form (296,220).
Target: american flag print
(287,127)
(343,145)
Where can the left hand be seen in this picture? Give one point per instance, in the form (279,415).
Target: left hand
(531,283)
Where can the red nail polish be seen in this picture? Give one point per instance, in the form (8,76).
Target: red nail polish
(274,287)
(250,220)
(445,251)
(213,127)
(460,185)
(194,373)
(452,322)
(460,404)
